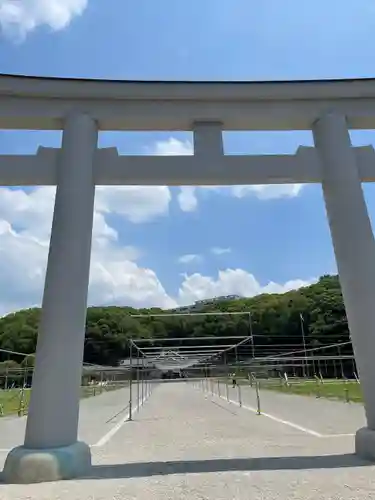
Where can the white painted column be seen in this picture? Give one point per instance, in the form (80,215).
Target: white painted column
(53,414)
(354,246)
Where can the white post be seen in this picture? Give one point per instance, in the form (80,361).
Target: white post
(354,248)
(53,413)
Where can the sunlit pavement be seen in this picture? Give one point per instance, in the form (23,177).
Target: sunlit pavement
(187,444)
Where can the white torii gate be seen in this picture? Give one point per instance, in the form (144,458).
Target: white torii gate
(83,107)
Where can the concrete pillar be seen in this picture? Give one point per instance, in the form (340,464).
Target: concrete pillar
(354,247)
(51,450)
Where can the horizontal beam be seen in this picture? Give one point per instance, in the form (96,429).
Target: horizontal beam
(169,115)
(43,103)
(274,359)
(78,88)
(153,348)
(190,170)
(111,169)
(192,352)
(33,170)
(177,339)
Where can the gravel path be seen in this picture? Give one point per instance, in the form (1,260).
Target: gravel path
(96,416)
(187,445)
(326,417)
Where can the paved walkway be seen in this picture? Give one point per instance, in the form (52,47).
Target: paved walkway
(98,414)
(187,445)
(321,416)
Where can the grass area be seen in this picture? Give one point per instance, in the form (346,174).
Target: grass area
(349,391)
(345,390)
(11,399)
(16,401)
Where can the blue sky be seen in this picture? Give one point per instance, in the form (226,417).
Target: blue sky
(269,238)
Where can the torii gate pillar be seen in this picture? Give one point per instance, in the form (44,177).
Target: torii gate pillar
(354,247)
(51,450)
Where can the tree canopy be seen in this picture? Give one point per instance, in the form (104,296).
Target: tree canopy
(275,319)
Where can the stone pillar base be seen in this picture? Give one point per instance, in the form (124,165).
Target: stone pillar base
(365,443)
(24,465)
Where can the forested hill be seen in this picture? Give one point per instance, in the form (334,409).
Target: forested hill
(276,317)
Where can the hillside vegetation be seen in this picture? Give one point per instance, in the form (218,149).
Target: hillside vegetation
(275,318)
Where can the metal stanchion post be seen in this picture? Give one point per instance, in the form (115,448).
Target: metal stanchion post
(239,394)
(143,380)
(258,396)
(25,373)
(6,378)
(317,387)
(341,363)
(21,409)
(218,388)
(131,383)
(101,381)
(137,380)
(334,367)
(346,389)
(227,389)
(250,380)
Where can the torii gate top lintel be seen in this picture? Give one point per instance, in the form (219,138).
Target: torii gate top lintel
(43,102)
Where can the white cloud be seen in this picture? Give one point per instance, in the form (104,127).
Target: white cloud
(173,147)
(268,192)
(19,17)
(136,203)
(228,282)
(187,197)
(220,251)
(116,278)
(188,258)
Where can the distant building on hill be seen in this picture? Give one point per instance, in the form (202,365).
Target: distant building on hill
(222,298)
(205,302)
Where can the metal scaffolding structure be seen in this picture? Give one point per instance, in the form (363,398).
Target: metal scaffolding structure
(179,353)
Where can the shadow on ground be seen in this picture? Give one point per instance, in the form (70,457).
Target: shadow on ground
(147,469)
